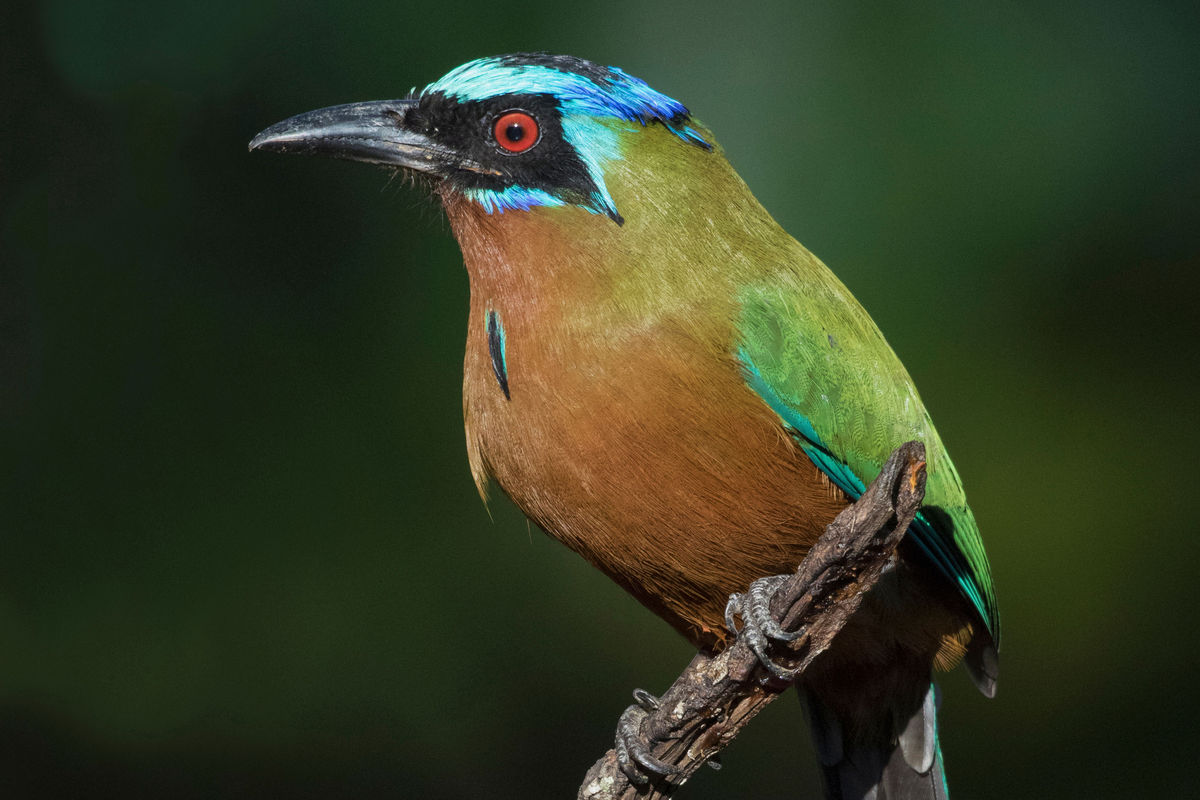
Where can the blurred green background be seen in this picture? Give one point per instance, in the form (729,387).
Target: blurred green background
(241,552)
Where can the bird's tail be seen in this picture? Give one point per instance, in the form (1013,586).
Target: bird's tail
(895,759)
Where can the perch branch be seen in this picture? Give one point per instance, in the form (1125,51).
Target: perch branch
(718,695)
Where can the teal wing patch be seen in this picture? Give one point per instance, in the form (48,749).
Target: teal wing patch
(838,388)
(801,426)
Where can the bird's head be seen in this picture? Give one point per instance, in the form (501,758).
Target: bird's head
(508,133)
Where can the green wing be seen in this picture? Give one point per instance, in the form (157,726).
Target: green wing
(815,357)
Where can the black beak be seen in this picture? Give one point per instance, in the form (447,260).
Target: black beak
(371,132)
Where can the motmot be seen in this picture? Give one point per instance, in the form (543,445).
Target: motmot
(664,380)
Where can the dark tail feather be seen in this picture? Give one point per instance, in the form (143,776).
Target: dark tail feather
(983,665)
(906,766)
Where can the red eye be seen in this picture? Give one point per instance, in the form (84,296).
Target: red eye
(516,131)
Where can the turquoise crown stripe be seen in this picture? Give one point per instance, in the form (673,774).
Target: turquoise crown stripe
(622,96)
(583,102)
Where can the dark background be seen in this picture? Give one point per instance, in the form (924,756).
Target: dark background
(241,552)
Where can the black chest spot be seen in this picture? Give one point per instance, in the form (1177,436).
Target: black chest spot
(496,349)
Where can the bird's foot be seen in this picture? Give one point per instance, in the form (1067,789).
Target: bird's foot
(633,746)
(759,627)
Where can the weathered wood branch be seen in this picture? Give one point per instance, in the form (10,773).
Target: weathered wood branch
(717,696)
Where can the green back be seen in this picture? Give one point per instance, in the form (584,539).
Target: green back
(814,355)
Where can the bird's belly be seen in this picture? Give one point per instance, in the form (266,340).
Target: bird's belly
(656,464)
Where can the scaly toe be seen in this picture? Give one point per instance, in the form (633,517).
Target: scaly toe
(633,750)
(759,627)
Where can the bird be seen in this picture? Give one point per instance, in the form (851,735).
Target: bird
(662,378)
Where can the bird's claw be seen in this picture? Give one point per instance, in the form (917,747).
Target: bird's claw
(647,701)
(760,628)
(634,756)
